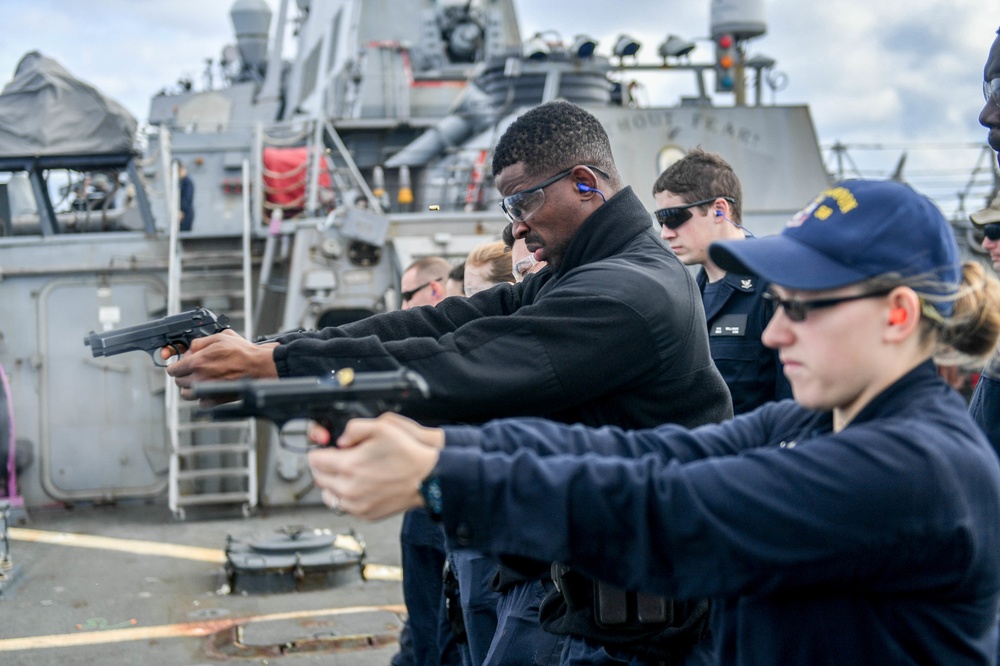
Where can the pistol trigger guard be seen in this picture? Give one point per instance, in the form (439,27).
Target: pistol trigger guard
(178,349)
(284,443)
(158,361)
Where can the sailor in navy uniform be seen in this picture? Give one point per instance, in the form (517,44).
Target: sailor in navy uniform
(700,201)
(737,314)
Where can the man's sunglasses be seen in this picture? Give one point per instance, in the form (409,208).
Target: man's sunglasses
(675,216)
(991,231)
(407,296)
(797,310)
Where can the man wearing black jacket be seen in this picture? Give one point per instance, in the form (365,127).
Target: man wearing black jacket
(610,332)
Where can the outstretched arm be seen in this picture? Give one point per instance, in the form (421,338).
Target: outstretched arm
(830,509)
(544,358)
(223,356)
(373,473)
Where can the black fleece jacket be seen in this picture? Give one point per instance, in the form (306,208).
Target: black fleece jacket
(615,336)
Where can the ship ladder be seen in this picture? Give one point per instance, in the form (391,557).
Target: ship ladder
(211,463)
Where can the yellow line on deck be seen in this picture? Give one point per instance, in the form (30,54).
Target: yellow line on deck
(371,571)
(136,546)
(186,629)
(196,553)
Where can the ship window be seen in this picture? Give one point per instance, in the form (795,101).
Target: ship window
(309,72)
(334,34)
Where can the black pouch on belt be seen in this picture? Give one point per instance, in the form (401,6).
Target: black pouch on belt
(640,623)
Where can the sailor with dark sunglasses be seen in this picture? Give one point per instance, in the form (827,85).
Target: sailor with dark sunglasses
(699,201)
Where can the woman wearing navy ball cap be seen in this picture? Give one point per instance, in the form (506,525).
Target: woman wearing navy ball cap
(859,523)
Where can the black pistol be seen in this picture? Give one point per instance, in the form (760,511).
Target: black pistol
(176,332)
(331,400)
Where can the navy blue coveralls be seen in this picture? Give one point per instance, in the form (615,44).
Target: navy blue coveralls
(985,410)
(737,314)
(876,544)
(985,405)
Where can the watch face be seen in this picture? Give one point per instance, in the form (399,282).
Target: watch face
(430,490)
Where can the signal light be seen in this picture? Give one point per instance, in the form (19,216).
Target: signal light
(725,63)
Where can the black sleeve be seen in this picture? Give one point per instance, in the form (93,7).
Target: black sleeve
(554,354)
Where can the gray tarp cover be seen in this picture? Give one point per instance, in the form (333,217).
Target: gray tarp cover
(44,110)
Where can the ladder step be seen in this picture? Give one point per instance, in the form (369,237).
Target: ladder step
(211,271)
(213,425)
(216,473)
(212,293)
(209,449)
(214,498)
(197,273)
(210,255)
(197,265)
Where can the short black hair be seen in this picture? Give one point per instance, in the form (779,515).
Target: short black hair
(554,136)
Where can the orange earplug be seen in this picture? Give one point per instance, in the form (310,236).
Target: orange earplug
(897,316)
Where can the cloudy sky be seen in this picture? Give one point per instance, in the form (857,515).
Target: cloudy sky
(881,77)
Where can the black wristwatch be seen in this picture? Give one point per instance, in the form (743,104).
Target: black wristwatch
(430,490)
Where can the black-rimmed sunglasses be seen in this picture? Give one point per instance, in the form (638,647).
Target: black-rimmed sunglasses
(991,231)
(797,310)
(675,216)
(408,295)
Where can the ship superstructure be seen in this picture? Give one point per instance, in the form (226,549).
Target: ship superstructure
(317,179)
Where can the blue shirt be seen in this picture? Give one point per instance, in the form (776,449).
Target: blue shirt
(737,314)
(985,408)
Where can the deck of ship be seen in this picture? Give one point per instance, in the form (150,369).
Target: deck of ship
(129,585)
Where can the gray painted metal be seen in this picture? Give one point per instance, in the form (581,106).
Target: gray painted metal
(374,86)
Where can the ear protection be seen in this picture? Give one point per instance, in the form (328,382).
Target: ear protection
(897,316)
(581,187)
(718,213)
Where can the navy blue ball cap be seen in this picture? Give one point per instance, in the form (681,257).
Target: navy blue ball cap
(856,230)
